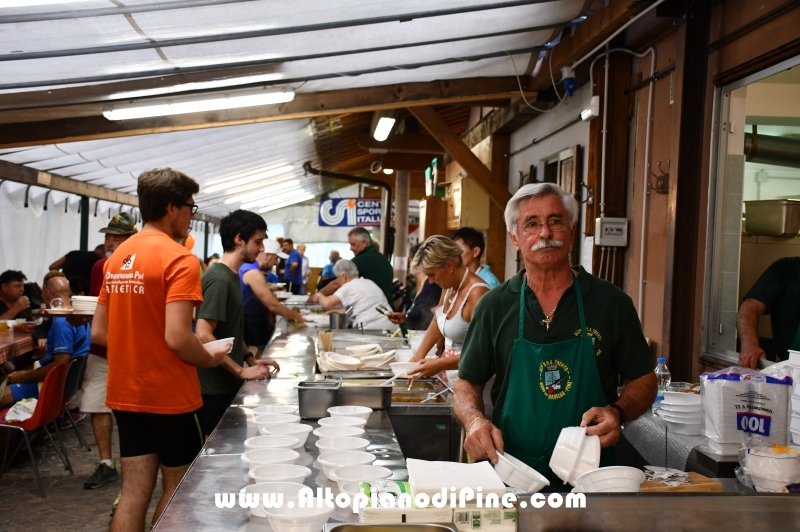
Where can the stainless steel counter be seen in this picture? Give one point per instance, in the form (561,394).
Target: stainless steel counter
(219,468)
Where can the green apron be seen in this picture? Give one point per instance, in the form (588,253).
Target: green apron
(548,387)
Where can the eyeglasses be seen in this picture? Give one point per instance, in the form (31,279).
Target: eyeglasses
(534,227)
(192,206)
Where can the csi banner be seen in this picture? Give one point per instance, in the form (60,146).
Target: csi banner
(349,212)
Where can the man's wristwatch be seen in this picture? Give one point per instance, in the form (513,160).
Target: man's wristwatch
(623,420)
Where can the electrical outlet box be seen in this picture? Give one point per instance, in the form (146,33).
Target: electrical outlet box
(611,232)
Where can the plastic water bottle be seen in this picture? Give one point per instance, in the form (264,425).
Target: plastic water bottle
(663,378)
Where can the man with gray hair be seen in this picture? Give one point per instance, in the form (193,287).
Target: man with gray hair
(359,293)
(556,338)
(371,265)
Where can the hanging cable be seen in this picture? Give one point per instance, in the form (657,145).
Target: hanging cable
(522,93)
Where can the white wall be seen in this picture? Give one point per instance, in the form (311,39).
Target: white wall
(577,134)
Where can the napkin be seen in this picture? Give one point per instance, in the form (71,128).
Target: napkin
(430,477)
(21,411)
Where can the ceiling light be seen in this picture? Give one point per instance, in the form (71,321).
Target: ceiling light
(286,203)
(384,127)
(216,185)
(388,171)
(195,86)
(197,103)
(269,190)
(273,199)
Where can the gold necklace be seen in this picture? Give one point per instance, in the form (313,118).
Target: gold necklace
(548,318)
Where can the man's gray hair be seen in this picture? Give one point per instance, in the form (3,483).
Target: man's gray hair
(361,234)
(538,190)
(345,267)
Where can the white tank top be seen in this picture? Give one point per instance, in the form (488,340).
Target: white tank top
(454,330)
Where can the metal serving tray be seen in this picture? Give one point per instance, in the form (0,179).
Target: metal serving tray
(365,393)
(390,527)
(773,217)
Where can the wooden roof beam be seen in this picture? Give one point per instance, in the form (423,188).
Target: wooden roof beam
(462,154)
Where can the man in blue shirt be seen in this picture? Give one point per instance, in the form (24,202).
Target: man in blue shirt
(327,274)
(64,342)
(294,267)
(473,243)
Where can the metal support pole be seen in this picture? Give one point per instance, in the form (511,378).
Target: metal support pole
(84,223)
(402,192)
(386,220)
(205,243)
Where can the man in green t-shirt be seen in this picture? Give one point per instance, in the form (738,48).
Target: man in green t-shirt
(556,339)
(776,293)
(222,316)
(370,263)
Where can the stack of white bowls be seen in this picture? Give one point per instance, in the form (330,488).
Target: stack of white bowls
(575,453)
(794,422)
(682,412)
(85,304)
(615,479)
(772,471)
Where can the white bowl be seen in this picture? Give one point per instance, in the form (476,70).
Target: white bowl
(298,430)
(403,355)
(275,409)
(688,416)
(401,369)
(670,407)
(332,459)
(768,484)
(346,443)
(620,479)
(279,473)
(342,421)
(276,419)
(271,441)
(519,475)
(588,458)
(565,454)
(285,519)
(680,426)
(351,487)
(216,344)
(366,349)
(362,412)
(288,489)
(338,432)
(259,457)
(783,468)
(360,473)
(345,361)
(681,398)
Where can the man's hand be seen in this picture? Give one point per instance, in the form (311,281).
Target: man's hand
(429,367)
(750,355)
(607,427)
(313,298)
(484,440)
(16,377)
(22,304)
(42,344)
(396,317)
(216,356)
(267,362)
(255,372)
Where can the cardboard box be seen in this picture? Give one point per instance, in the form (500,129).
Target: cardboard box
(376,514)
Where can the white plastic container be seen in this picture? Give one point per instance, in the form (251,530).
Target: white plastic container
(588,458)
(332,459)
(279,473)
(271,441)
(680,426)
(616,479)
(296,519)
(259,457)
(518,474)
(275,409)
(342,421)
(342,444)
(339,432)
(362,412)
(288,489)
(681,398)
(216,344)
(360,473)
(275,419)
(401,369)
(298,430)
(566,451)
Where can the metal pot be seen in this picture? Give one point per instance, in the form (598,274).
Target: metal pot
(338,320)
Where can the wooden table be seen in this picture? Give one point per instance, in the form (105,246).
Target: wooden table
(15,344)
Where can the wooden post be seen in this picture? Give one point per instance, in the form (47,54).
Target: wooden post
(401,193)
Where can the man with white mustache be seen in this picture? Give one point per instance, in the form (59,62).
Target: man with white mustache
(557,339)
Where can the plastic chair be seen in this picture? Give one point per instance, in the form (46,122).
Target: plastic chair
(48,408)
(74,381)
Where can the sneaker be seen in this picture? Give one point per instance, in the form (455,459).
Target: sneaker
(78,416)
(116,503)
(102,475)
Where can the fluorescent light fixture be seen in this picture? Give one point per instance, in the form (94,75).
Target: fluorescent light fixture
(268,191)
(388,171)
(217,185)
(286,203)
(31,3)
(276,198)
(592,111)
(197,103)
(196,86)
(384,127)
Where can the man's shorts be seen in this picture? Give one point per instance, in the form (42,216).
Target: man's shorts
(25,390)
(214,407)
(257,330)
(94,386)
(175,438)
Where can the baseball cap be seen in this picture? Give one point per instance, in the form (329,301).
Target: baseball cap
(121,224)
(273,248)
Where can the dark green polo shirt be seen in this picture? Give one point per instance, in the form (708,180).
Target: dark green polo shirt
(375,267)
(611,321)
(779,289)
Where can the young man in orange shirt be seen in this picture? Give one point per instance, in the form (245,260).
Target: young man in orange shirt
(144,314)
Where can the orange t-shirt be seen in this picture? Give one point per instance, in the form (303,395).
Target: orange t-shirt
(146,272)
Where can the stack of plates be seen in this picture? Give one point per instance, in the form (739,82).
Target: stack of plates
(371,356)
(329,361)
(84,303)
(682,412)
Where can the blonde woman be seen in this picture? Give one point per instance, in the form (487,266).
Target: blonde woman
(439,259)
